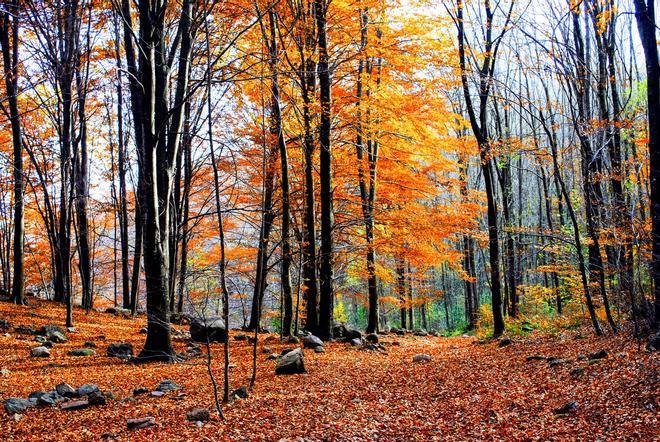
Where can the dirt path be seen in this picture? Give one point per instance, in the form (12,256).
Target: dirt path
(468,391)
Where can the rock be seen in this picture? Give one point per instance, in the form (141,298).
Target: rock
(286,350)
(240,393)
(566,408)
(421,358)
(272,357)
(372,338)
(654,343)
(505,341)
(434,333)
(536,358)
(144,331)
(420,332)
(82,352)
(292,362)
(311,341)
(270,338)
(89,344)
(601,354)
(5,372)
(74,405)
(40,339)
(25,330)
(141,422)
(198,415)
(266,350)
(96,398)
(35,395)
(48,344)
(339,331)
(57,337)
(49,398)
(71,330)
(87,389)
(352,334)
(140,390)
(398,331)
(15,405)
(577,372)
(157,393)
(4,324)
(240,337)
(168,385)
(557,362)
(208,330)
(121,350)
(65,390)
(356,342)
(40,352)
(292,340)
(319,349)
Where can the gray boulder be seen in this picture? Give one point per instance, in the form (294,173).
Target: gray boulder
(168,385)
(421,358)
(40,352)
(65,390)
(311,341)
(208,330)
(87,389)
(122,350)
(292,362)
(198,415)
(82,352)
(15,405)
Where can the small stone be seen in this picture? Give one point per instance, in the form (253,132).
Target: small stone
(40,352)
(40,339)
(168,385)
(89,344)
(57,337)
(372,338)
(356,342)
(557,362)
(272,357)
(536,358)
(48,344)
(5,372)
(87,389)
(4,324)
(566,408)
(66,390)
(505,341)
(140,390)
(25,330)
(18,417)
(82,352)
(157,393)
(96,398)
(141,422)
(292,362)
(74,405)
(266,350)
(311,341)
(15,405)
(319,349)
(143,331)
(121,350)
(577,372)
(601,354)
(421,358)
(198,415)
(240,337)
(240,393)
(71,330)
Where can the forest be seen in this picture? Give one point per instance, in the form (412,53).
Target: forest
(329,220)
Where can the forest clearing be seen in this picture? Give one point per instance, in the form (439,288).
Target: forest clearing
(467,391)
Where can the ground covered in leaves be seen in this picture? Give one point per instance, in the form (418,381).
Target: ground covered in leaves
(467,391)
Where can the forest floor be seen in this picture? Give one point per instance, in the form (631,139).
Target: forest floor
(468,391)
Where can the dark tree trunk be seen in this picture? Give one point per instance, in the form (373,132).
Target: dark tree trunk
(326,276)
(645,16)
(9,41)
